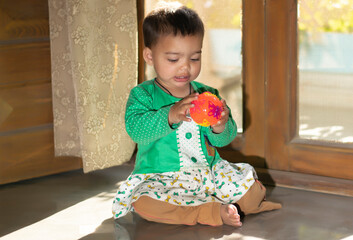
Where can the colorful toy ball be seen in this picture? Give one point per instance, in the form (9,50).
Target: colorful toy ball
(207,110)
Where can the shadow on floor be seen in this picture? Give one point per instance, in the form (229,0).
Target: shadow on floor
(132,227)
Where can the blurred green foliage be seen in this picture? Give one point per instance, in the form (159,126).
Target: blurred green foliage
(214,13)
(325,16)
(313,15)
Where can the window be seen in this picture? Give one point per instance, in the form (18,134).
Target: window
(326,70)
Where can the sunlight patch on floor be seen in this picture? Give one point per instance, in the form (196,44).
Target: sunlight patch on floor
(348,238)
(237,236)
(73,223)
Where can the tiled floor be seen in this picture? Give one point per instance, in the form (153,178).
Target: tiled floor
(78,206)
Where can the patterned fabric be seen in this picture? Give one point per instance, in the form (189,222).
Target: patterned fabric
(189,146)
(196,183)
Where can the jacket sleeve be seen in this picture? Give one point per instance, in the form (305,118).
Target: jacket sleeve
(224,138)
(143,123)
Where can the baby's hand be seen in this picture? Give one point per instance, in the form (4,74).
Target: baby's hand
(180,109)
(221,124)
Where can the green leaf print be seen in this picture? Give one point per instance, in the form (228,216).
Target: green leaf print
(219,187)
(155,193)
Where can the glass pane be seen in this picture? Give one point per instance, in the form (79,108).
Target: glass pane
(221,53)
(326,70)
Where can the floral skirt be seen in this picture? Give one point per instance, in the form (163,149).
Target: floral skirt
(225,182)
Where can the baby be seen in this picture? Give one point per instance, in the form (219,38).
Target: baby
(179,177)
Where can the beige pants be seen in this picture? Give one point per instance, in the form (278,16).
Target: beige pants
(208,213)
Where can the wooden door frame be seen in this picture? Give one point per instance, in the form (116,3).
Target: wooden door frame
(250,146)
(140,7)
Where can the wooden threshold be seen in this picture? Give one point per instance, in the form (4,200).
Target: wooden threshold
(307,182)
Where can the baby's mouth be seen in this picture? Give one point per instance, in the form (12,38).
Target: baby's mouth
(182,78)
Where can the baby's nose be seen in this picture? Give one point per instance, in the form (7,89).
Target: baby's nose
(185,66)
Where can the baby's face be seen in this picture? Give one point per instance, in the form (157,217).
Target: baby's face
(177,60)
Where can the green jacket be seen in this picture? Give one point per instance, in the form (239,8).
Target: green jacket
(146,120)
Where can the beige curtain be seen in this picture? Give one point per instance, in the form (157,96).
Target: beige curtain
(94,66)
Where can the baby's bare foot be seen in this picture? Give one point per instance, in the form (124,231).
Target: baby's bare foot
(230,216)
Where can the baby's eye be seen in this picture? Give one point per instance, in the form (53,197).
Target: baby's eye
(173,60)
(195,59)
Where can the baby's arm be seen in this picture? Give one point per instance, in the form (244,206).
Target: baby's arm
(223,133)
(143,123)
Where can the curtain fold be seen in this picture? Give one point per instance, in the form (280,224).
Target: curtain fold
(94,67)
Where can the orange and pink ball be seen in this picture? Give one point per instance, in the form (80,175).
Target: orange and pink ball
(207,109)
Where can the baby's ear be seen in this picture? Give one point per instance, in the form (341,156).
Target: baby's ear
(147,55)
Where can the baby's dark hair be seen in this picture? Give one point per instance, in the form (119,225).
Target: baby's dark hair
(171,19)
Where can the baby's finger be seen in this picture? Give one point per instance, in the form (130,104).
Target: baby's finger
(191,97)
(216,124)
(225,111)
(224,104)
(186,107)
(223,119)
(185,118)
